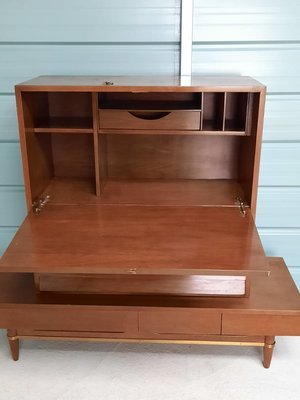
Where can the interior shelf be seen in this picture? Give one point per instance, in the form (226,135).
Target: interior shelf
(201,192)
(65,125)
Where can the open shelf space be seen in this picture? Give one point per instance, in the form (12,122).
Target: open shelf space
(150,101)
(68,156)
(58,112)
(226,113)
(236,111)
(198,192)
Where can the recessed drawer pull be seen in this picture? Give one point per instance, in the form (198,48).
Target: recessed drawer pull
(157,119)
(149,115)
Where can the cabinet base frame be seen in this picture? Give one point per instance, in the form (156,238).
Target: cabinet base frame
(268,345)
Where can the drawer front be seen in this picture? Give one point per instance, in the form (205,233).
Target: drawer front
(71,318)
(168,120)
(255,324)
(184,322)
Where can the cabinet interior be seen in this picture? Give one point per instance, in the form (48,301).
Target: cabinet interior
(72,159)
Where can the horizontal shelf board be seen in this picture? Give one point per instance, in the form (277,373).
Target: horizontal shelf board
(273,65)
(150,106)
(24,62)
(278,207)
(90,21)
(168,132)
(282,118)
(282,243)
(10,164)
(65,125)
(227,20)
(135,239)
(280,164)
(12,205)
(6,235)
(148,192)
(8,118)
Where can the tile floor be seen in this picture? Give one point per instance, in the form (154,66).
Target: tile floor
(90,371)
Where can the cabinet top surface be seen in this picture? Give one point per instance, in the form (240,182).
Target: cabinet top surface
(154,83)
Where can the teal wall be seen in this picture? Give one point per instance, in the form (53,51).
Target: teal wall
(260,38)
(40,37)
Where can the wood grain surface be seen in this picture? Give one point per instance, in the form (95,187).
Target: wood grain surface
(138,239)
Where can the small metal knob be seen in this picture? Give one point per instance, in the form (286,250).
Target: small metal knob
(132,270)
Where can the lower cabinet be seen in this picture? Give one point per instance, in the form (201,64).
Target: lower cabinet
(146,323)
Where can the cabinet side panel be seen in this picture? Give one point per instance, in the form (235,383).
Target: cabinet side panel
(36,151)
(250,152)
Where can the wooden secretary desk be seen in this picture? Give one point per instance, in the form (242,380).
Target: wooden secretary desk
(141,196)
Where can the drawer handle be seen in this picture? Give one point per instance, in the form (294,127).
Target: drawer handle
(149,115)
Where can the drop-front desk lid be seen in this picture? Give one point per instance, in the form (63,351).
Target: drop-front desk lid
(136,239)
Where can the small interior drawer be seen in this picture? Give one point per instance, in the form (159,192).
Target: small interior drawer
(149,119)
(180,321)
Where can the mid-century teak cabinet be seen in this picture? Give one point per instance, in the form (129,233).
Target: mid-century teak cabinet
(141,196)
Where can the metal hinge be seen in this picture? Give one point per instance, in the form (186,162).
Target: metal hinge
(38,204)
(241,204)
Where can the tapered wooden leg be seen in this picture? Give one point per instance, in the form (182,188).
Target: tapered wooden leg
(268,350)
(13,343)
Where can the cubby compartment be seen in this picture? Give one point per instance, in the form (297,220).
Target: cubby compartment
(62,166)
(226,113)
(149,111)
(236,111)
(58,112)
(213,111)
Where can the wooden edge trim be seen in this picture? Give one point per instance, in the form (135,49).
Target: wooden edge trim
(162,341)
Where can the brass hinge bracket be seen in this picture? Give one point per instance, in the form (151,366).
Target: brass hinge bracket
(241,204)
(38,204)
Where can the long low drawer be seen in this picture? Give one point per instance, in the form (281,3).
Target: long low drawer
(71,318)
(164,322)
(255,324)
(148,119)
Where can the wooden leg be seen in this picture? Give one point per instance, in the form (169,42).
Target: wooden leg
(13,343)
(268,350)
